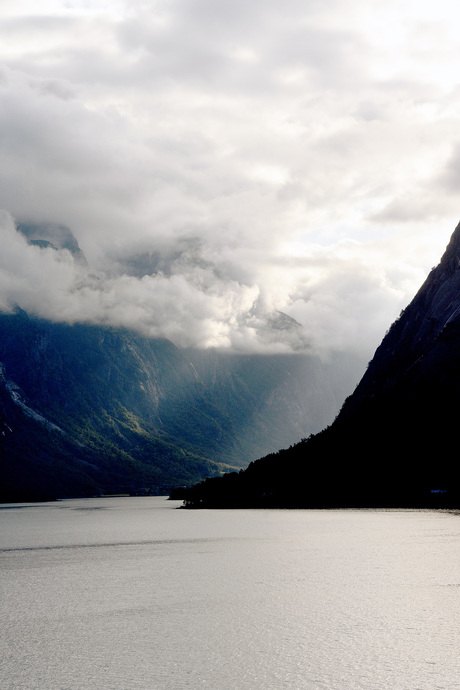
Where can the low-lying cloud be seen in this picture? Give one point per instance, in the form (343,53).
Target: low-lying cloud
(189,294)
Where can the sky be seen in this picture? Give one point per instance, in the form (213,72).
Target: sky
(222,161)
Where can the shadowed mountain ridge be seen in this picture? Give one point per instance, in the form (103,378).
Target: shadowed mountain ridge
(86,409)
(392,442)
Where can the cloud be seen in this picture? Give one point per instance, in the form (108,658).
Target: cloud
(190,301)
(195,298)
(222,162)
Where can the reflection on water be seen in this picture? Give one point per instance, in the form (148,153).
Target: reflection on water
(126,593)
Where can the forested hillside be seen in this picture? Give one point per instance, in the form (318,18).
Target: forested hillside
(87,409)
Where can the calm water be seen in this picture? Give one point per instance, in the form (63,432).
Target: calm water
(126,593)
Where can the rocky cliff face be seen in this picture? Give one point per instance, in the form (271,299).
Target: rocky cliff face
(406,402)
(423,342)
(393,442)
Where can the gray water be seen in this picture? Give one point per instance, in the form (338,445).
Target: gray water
(126,593)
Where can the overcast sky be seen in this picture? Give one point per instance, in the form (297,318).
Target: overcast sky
(219,160)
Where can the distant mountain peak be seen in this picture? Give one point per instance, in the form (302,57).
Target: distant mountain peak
(53,236)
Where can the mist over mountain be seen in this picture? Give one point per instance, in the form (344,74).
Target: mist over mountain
(89,407)
(392,442)
(196,293)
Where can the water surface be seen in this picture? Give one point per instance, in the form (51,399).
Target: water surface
(127,593)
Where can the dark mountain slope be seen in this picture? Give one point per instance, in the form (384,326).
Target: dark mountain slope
(81,411)
(392,443)
(87,409)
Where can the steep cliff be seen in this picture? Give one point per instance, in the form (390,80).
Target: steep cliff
(393,442)
(422,345)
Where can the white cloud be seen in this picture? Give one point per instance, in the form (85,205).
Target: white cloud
(301,154)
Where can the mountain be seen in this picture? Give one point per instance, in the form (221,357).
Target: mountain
(54,236)
(392,443)
(82,407)
(86,409)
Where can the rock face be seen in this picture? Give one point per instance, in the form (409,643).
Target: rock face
(407,401)
(87,410)
(392,443)
(422,345)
